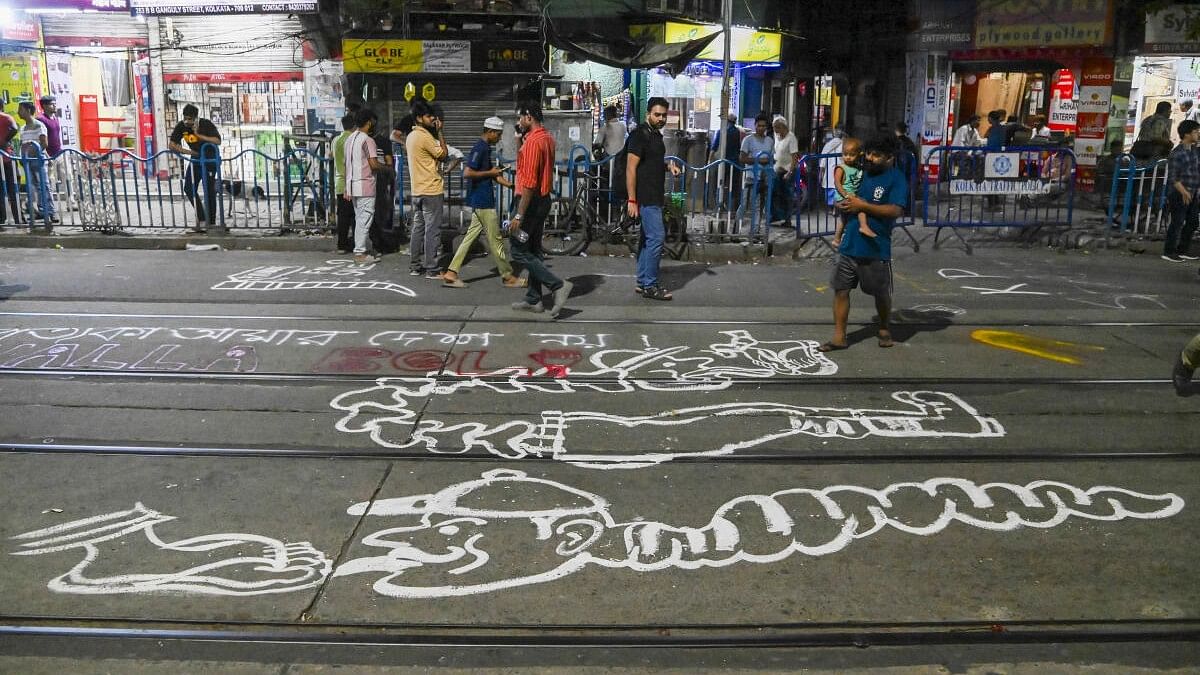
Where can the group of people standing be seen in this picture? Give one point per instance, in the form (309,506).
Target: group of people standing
(36,144)
(362,166)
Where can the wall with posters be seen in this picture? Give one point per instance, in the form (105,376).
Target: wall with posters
(1095,98)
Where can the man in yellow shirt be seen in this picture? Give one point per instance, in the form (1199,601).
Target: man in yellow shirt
(425,146)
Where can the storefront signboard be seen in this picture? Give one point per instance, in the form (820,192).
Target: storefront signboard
(20,27)
(513,56)
(1062,102)
(93,5)
(746,45)
(1021,23)
(200,7)
(943,25)
(1167,31)
(406,56)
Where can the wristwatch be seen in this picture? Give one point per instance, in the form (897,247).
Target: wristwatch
(517,217)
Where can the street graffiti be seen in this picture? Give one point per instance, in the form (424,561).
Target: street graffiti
(339,275)
(149,348)
(1051,350)
(221,564)
(1106,297)
(507,529)
(386,413)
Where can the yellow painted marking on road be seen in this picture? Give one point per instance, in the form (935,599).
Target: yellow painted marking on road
(910,282)
(820,289)
(1053,350)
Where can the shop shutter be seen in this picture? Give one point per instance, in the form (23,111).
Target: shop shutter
(466,99)
(230,44)
(79,29)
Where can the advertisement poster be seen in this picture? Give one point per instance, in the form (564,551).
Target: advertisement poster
(1062,102)
(928,83)
(58,68)
(324,103)
(16,81)
(406,56)
(1095,96)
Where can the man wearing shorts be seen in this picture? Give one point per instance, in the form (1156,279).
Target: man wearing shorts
(863,261)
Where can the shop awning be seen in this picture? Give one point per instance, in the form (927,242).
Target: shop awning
(619,50)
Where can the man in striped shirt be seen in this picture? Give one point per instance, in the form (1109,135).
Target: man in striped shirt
(535,173)
(361,167)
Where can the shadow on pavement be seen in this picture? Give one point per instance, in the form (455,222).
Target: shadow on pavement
(9,290)
(905,324)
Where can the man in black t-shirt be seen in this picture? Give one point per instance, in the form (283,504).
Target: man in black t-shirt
(645,178)
(204,160)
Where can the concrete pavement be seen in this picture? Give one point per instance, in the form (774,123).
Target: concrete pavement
(272,442)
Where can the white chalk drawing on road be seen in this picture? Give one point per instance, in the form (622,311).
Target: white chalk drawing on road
(234,563)
(234,359)
(386,414)
(507,529)
(292,277)
(1105,299)
(462,540)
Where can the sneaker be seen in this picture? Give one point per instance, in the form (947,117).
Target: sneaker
(560,298)
(434,276)
(1172,258)
(415,272)
(523,306)
(363,258)
(656,293)
(1189,257)
(1181,377)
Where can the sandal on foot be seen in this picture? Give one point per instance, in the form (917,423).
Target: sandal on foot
(516,282)
(886,341)
(832,347)
(454,283)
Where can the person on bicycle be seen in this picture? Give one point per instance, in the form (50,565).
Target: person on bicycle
(645,178)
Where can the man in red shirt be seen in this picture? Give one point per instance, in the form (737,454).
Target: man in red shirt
(535,173)
(8,131)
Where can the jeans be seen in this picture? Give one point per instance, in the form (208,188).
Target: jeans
(364,213)
(1183,223)
(345,223)
(753,194)
(650,252)
(526,253)
(484,221)
(781,207)
(39,183)
(426,233)
(200,185)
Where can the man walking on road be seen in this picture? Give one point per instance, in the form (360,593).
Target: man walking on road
(645,178)
(1183,181)
(425,147)
(361,167)
(535,173)
(481,200)
(863,260)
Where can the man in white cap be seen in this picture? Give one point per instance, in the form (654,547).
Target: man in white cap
(481,199)
(787,153)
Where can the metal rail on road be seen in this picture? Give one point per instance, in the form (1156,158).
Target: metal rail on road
(778,458)
(856,634)
(617,322)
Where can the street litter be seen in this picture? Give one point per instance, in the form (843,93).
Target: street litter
(204,247)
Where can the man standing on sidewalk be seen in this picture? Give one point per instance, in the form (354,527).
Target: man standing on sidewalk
(8,191)
(535,174)
(1183,181)
(57,166)
(868,260)
(645,178)
(481,200)
(345,207)
(33,152)
(361,167)
(200,180)
(425,147)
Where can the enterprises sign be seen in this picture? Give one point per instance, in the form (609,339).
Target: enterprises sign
(192,7)
(407,56)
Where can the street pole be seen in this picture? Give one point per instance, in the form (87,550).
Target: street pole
(727,18)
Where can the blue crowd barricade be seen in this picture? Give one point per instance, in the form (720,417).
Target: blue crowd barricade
(816,217)
(1137,200)
(1026,187)
(118,190)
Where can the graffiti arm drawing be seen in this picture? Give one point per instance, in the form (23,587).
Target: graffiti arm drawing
(233,563)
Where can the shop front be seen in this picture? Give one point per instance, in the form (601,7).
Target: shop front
(469,80)
(1167,69)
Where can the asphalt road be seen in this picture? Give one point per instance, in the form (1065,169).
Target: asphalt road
(274,462)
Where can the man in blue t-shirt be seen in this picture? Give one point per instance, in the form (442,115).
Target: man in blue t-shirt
(867,261)
(481,200)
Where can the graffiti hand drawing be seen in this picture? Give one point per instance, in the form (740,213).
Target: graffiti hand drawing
(385,413)
(507,529)
(292,277)
(234,563)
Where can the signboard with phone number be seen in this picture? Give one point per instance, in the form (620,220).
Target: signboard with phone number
(186,7)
